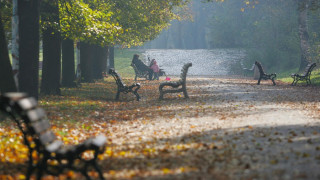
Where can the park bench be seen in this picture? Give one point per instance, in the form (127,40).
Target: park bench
(52,156)
(122,87)
(176,84)
(305,75)
(247,71)
(263,75)
(138,73)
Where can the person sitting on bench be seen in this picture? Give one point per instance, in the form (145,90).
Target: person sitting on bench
(141,66)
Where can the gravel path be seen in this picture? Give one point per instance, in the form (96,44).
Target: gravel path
(257,132)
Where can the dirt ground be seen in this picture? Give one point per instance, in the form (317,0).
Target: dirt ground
(230,128)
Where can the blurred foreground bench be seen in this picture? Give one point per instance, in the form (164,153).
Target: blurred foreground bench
(52,156)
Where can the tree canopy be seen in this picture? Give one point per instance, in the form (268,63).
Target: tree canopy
(116,21)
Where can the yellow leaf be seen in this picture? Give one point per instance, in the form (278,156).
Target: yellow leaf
(182,169)
(166,170)
(112,172)
(122,153)
(21,177)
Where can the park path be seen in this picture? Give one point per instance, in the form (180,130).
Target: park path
(257,132)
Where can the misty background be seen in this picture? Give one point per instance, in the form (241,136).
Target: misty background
(267,31)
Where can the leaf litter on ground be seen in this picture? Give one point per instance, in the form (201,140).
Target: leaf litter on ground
(229,128)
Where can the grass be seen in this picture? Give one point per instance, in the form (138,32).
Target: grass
(285,77)
(123,58)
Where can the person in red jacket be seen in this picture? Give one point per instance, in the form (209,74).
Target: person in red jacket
(155,69)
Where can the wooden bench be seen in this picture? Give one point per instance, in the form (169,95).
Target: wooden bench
(122,87)
(139,74)
(176,84)
(263,75)
(52,156)
(304,76)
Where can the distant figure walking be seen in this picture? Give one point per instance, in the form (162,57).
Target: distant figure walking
(141,66)
(155,68)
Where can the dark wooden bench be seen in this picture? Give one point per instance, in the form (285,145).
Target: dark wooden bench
(138,73)
(176,84)
(263,75)
(304,76)
(122,87)
(40,140)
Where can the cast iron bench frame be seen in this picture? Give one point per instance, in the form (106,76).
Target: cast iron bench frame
(304,76)
(122,87)
(40,140)
(176,84)
(265,76)
(138,73)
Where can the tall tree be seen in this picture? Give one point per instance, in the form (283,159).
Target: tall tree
(68,65)
(15,41)
(28,12)
(99,61)
(6,77)
(51,66)
(86,56)
(111,57)
(303,33)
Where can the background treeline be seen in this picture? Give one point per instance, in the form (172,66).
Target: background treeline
(268,30)
(90,27)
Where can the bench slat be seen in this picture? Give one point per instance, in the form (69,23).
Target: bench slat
(26,104)
(28,116)
(263,75)
(40,126)
(54,146)
(176,84)
(122,87)
(35,115)
(47,137)
(7,98)
(305,75)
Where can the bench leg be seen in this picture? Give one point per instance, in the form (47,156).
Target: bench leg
(161,93)
(259,81)
(136,93)
(274,83)
(41,166)
(118,95)
(30,165)
(308,81)
(185,93)
(96,167)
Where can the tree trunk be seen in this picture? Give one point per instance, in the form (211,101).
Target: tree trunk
(111,57)
(68,67)
(86,57)
(51,67)
(99,64)
(28,12)
(15,41)
(303,33)
(7,83)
